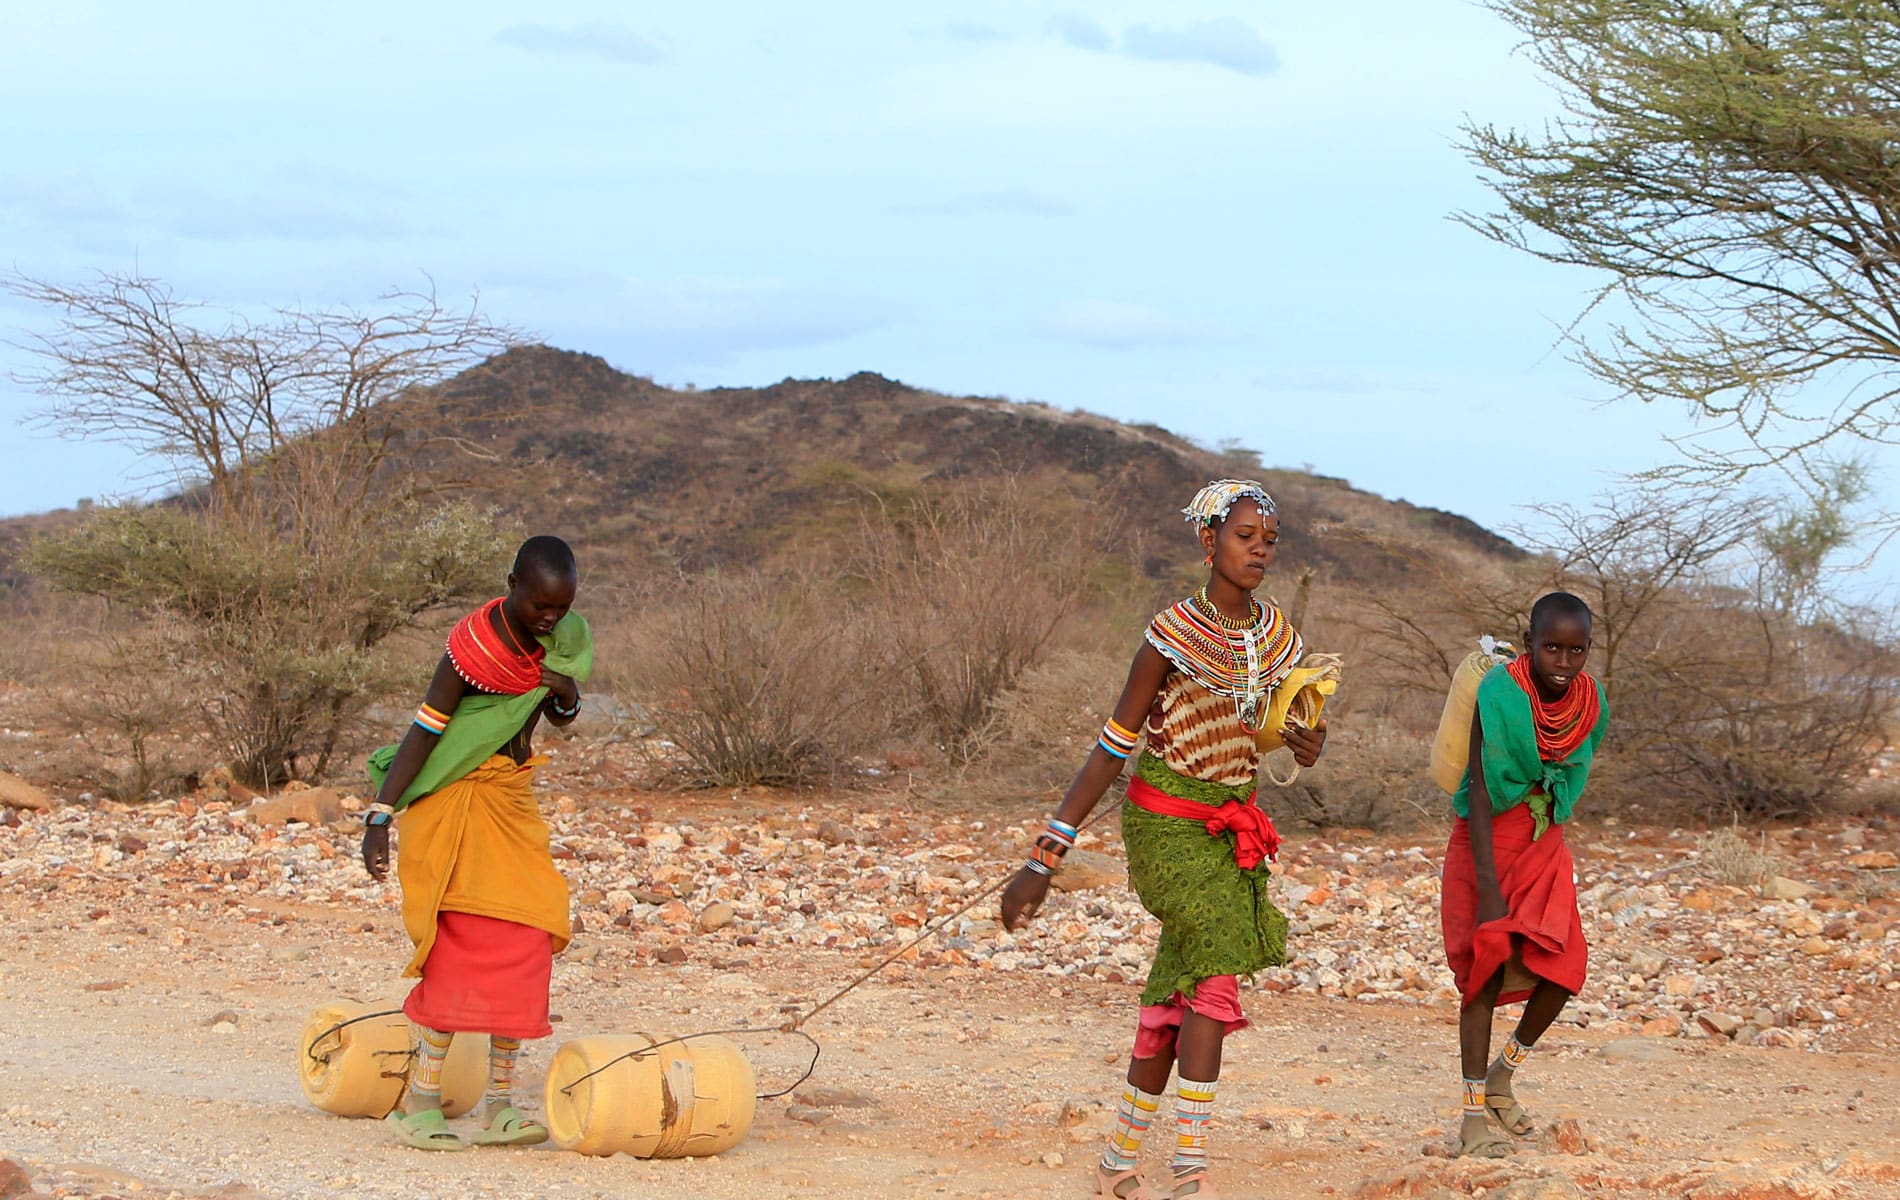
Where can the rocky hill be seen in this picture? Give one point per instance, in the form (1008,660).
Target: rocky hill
(651,477)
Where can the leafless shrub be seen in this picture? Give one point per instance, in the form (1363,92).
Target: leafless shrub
(1727,857)
(122,701)
(970,588)
(1039,732)
(758,678)
(1372,777)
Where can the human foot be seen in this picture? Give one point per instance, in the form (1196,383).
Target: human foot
(1121,1185)
(508,1126)
(1196,1184)
(1503,1106)
(1476,1139)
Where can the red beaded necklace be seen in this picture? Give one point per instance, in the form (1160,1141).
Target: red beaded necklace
(1562,725)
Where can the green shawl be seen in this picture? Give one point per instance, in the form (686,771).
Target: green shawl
(1511,765)
(483,723)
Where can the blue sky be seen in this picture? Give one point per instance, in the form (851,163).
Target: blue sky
(1229,220)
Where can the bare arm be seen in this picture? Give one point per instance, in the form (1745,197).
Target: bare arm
(446,689)
(1478,818)
(1026,891)
(563,704)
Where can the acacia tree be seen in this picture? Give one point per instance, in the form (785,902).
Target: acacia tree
(1733,168)
(307,527)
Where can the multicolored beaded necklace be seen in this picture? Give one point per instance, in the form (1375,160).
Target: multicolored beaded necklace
(1228,657)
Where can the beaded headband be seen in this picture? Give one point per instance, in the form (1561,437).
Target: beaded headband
(1213,502)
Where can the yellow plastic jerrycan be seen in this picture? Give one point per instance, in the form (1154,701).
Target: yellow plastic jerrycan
(650,1097)
(353,1060)
(1300,697)
(1451,748)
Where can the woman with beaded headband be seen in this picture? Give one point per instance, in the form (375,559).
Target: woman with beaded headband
(1197,843)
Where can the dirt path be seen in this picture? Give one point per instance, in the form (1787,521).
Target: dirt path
(118,1080)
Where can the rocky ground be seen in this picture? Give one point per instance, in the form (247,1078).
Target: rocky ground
(1736,1040)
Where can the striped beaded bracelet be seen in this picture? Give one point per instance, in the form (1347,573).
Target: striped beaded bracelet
(1118,742)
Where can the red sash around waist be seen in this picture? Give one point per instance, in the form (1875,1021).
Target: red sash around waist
(1255,838)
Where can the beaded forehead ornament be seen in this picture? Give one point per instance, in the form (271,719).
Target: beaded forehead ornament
(1213,502)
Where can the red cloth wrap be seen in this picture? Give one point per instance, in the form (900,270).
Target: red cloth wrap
(1216,997)
(488,660)
(484,975)
(1541,925)
(1255,838)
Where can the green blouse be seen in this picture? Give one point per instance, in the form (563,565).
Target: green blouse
(1512,768)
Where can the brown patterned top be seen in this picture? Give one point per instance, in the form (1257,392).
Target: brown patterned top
(1198,734)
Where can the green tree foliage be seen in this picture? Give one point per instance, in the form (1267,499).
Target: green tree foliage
(303,536)
(1733,167)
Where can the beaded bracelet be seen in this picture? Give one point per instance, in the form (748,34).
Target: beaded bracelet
(379,814)
(554,706)
(1118,742)
(432,720)
(1046,855)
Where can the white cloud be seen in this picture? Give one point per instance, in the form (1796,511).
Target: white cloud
(972,31)
(664,326)
(1223,43)
(615,43)
(1079,31)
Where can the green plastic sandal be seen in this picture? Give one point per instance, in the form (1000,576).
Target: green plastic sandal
(426,1130)
(510,1127)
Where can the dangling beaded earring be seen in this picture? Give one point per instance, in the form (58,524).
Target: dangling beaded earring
(1209,560)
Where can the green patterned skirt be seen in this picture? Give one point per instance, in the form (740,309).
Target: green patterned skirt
(1216,919)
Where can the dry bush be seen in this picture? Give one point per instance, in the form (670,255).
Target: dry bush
(306,530)
(123,700)
(969,590)
(1040,731)
(1727,857)
(286,624)
(759,679)
(1373,776)
(1750,714)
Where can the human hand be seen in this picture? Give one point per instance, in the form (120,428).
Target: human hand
(1491,906)
(561,687)
(376,851)
(1305,743)
(1023,898)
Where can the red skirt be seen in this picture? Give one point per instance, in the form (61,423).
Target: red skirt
(484,975)
(1541,930)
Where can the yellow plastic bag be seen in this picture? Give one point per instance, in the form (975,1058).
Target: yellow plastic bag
(1301,696)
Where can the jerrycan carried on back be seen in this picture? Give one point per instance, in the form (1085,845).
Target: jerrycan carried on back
(1451,748)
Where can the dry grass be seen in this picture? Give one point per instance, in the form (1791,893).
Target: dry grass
(1727,857)
(1373,776)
